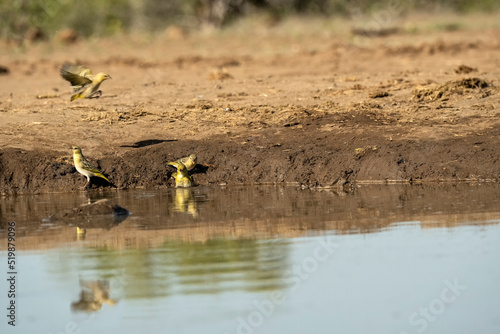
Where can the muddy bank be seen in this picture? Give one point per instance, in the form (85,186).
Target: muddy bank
(310,109)
(300,156)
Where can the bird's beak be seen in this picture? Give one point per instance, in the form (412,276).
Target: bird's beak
(109,77)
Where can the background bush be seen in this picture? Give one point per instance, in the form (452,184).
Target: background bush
(20,18)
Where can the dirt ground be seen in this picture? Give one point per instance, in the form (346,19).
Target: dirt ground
(300,104)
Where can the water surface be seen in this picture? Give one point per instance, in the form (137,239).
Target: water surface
(383,259)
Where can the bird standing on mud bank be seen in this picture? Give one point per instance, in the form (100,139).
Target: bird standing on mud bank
(86,168)
(181,176)
(85,84)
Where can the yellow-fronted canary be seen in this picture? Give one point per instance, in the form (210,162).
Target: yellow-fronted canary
(86,168)
(181,176)
(190,162)
(85,84)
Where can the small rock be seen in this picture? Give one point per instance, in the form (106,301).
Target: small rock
(219,74)
(175,32)
(378,94)
(68,36)
(101,207)
(464,69)
(4,70)
(35,34)
(104,214)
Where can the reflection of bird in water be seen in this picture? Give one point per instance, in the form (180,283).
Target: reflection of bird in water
(181,176)
(189,162)
(85,84)
(92,296)
(184,202)
(86,168)
(80,233)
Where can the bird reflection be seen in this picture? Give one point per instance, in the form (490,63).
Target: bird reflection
(80,233)
(92,296)
(184,202)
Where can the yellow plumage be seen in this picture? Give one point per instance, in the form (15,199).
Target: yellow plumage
(85,84)
(184,202)
(86,168)
(190,162)
(181,176)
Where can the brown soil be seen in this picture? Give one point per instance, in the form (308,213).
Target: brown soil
(270,106)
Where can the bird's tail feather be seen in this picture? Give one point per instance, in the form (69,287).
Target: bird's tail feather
(104,177)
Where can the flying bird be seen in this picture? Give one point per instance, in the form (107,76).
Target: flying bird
(85,84)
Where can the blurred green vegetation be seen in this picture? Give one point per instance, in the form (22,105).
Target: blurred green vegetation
(36,19)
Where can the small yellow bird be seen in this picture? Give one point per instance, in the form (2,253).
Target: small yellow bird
(85,84)
(86,168)
(181,176)
(189,162)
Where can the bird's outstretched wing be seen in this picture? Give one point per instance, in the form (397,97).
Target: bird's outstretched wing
(77,75)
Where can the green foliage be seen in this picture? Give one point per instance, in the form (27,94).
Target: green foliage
(97,17)
(19,18)
(88,17)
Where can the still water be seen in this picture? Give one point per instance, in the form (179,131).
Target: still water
(383,259)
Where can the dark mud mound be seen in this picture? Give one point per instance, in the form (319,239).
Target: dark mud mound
(101,207)
(32,171)
(302,154)
(100,214)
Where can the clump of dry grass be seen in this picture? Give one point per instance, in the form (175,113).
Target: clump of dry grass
(113,116)
(219,74)
(461,87)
